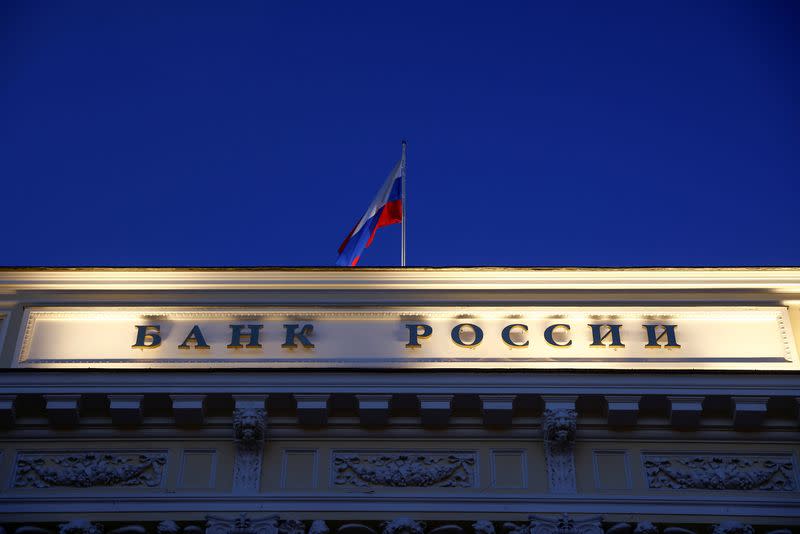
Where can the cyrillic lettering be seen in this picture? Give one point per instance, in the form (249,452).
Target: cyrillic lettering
(292,334)
(416,331)
(252,336)
(506,335)
(145,333)
(548,335)
(613,330)
(455,334)
(195,336)
(653,339)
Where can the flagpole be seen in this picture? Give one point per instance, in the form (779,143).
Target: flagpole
(403,178)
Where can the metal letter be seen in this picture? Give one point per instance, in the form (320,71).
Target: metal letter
(613,329)
(653,340)
(252,336)
(292,334)
(506,334)
(414,333)
(195,336)
(455,334)
(548,335)
(143,333)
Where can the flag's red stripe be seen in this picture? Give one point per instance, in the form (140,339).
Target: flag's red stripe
(392,213)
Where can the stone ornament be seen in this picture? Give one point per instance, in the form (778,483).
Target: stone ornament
(241,525)
(292,526)
(249,431)
(732,527)
(558,427)
(80,526)
(83,470)
(720,472)
(249,424)
(645,527)
(319,526)
(562,525)
(404,470)
(403,525)
(483,527)
(167,527)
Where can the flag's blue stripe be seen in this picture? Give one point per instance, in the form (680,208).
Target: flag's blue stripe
(358,241)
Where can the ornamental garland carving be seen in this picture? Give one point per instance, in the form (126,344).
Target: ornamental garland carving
(87,469)
(720,472)
(401,470)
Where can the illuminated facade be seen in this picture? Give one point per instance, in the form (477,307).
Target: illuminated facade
(399,401)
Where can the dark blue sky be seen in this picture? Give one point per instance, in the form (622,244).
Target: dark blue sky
(256,133)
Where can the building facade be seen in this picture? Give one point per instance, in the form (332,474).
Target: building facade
(399,401)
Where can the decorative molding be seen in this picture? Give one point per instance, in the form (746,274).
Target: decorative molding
(559,426)
(413,469)
(80,469)
(562,525)
(403,525)
(732,527)
(720,472)
(80,526)
(249,432)
(483,527)
(241,525)
(249,425)
(292,526)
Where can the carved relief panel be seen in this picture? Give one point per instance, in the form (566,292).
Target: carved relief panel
(404,469)
(84,469)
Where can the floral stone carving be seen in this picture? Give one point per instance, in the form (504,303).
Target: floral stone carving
(413,470)
(403,525)
(719,472)
(243,524)
(86,469)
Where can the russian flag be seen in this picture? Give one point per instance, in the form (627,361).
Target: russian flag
(385,209)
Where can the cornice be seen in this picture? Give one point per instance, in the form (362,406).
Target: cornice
(785,280)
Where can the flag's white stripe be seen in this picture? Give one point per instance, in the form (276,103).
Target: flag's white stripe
(380,199)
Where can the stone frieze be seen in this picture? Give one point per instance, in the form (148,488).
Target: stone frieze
(81,469)
(720,472)
(404,469)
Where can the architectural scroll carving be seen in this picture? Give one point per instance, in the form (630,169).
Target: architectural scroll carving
(83,470)
(249,430)
(419,469)
(559,439)
(167,527)
(292,526)
(403,525)
(562,525)
(720,472)
(241,525)
(732,527)
(80,526)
